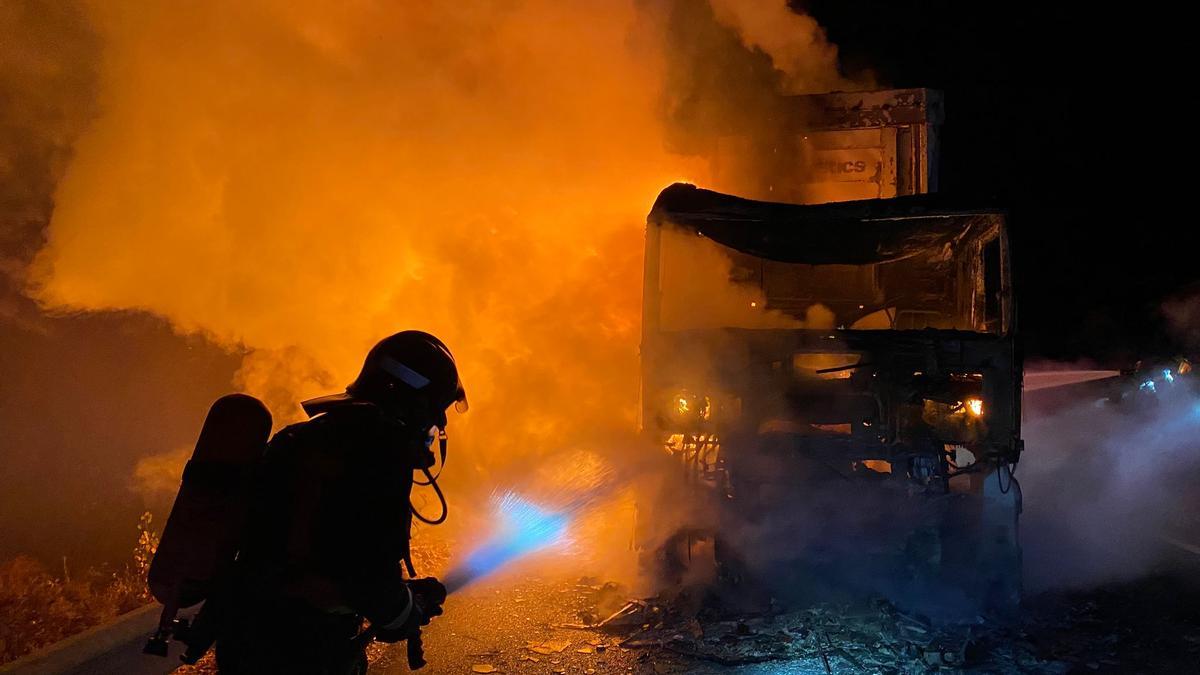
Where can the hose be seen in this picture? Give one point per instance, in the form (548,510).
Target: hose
(1000,480)
(437,489)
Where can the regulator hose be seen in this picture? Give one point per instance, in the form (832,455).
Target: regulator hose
(437,489)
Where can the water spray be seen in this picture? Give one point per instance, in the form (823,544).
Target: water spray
(523,528)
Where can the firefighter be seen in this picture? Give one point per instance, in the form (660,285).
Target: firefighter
(330,514)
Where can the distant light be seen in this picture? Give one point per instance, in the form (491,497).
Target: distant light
(1167,374)
(1149,385)
(753,304)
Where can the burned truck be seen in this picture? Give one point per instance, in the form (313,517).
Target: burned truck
(841,384)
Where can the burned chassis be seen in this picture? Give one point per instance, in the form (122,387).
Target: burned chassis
(748,427)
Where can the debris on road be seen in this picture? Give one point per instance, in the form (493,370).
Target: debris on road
(866,637)
(548,647)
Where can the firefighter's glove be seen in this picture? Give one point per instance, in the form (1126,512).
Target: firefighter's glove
(425,602)
(429,595)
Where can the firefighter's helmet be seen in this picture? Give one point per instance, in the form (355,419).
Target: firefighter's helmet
(412,370)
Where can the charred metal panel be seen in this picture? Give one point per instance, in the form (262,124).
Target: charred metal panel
(860,109)
(839,146)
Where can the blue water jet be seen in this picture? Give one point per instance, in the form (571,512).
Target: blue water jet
(522,528)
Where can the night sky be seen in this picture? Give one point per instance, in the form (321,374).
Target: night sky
(1048,114)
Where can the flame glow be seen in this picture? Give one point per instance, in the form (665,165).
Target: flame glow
(299,180)
(296,180)
(974,407)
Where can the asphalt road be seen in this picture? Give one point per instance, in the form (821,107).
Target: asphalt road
(499,624)
(514,623)
(509,623)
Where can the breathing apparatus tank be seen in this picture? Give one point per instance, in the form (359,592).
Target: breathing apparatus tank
(200,541)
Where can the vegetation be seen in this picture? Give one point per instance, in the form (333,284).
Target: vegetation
(39,607)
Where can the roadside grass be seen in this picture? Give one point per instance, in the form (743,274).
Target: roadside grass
(39,607)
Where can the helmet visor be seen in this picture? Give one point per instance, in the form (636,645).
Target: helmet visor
(460,402)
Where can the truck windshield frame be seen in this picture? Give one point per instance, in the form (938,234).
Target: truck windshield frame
(716,261)
(704,284)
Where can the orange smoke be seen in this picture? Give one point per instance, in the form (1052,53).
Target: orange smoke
(298,179)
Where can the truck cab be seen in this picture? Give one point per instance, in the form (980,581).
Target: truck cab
(854,361)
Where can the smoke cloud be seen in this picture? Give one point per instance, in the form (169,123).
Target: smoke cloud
(727,65)
(293,181)
(82,396)
(701,289)
(46,96)
(1108,485)
(795,43)
(302,181)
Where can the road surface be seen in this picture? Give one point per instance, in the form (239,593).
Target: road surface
(495,624)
